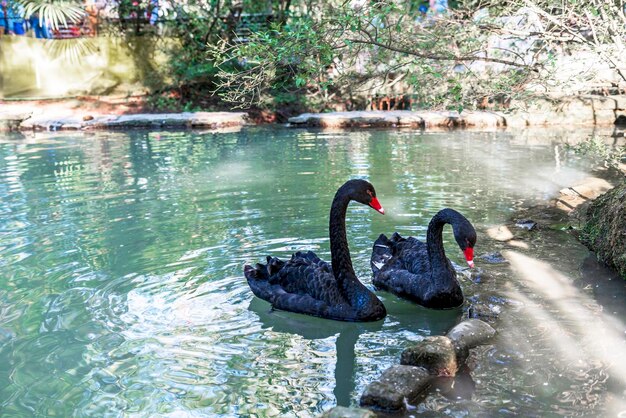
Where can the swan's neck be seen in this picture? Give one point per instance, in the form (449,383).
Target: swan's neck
(434,241)
(340,253)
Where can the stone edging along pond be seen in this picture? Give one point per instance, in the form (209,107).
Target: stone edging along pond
(76,120)
(565,111)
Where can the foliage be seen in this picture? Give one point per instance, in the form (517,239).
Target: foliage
(282,61)
(56,13)
(450,60)
(316,53)
(197,25)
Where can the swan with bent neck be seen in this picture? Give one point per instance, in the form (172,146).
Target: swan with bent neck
(308,285)
(421,272)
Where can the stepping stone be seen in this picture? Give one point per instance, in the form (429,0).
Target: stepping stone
(397,386)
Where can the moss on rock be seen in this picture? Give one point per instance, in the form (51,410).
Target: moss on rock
(435,354)
(605,228)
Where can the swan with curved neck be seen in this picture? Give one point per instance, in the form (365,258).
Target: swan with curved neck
(421,272)
(306,284)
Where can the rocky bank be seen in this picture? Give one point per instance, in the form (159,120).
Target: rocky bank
(605,228)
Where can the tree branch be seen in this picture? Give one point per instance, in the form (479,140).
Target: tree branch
(437,57)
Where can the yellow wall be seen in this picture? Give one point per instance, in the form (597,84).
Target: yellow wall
(32,67)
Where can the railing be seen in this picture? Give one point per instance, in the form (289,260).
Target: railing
(237,26)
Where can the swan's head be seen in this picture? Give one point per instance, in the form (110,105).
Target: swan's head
(363,192)
(465,236)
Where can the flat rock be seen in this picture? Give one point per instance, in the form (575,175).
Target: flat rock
(435,354)
(397,385)
(343,412)
(210,120)
(399,118)
(574,196)
(470,333)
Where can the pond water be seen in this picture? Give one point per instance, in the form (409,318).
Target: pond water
(122,293)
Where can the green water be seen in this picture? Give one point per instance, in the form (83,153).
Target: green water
(121,255)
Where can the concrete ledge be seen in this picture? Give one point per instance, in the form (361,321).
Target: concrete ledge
(207,120)
(399,118)
(555,110)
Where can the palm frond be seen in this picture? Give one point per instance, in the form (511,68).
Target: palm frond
(72,50)
(54,13)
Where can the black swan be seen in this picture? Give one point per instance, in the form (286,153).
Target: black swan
(305,284)
(421,272)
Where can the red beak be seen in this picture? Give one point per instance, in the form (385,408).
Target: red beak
(469,256)
(374,203)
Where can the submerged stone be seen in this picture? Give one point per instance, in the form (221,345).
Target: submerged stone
(343,412)
(435,354)
(493,258)
(380,395)
(484,311)
(526,224)
(397,386)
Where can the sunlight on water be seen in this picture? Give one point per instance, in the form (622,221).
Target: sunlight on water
(122,290)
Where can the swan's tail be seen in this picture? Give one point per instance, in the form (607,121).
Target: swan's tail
(263,271)
(383,252)
(259,277)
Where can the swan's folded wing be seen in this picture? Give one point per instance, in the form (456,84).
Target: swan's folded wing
(393,280)
(307,274)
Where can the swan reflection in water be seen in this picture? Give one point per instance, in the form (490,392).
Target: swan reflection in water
(403,317)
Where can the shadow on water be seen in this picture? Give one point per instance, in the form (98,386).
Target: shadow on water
(461,386)
(608,288)
(403,317)
(312,328)
(409,317)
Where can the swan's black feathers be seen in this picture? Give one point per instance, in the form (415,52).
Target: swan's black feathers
(403,266)
(397,262)
(306,284)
